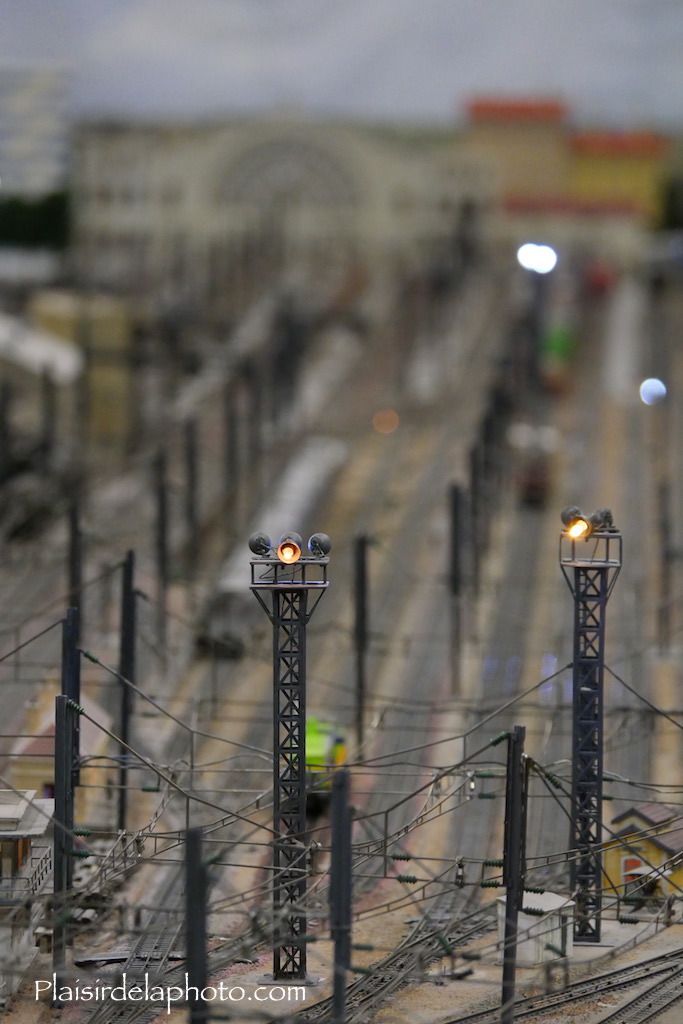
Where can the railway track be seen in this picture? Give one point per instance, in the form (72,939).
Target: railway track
(648,1005)
(425,941)
(149,955)
(424,945)
(668,968)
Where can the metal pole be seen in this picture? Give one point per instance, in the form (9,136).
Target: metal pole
(84,396)
(456,502)
(665,564)
(60,838)
(71,673)
(127,671)
(513,865)
(75,567)
(190,784)
(360,633)
(196,893)
(540,285)
(340,891)
(486,447)
(62,869)
(282,589)
(475,515)
(289,782)
(161,542)
(106,572)
(191,493)
(590,605)
(590,568)
(231,463)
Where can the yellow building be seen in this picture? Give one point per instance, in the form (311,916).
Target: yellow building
(525,140)
(545,167)
(102,326)
(650,836)
(624,169)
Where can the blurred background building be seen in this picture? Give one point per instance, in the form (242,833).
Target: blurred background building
(562,182)
(34,172)
(180,215)
(34,130)
(187,213)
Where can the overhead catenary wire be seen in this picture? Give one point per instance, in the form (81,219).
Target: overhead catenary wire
(261,751)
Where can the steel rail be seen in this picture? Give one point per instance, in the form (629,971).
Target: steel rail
(611,981)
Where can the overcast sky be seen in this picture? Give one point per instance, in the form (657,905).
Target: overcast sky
(614,60)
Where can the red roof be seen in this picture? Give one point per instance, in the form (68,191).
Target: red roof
(620,143)
(652,813)
(512,110)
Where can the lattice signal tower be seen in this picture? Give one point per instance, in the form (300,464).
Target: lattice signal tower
(590,559)
(289,587)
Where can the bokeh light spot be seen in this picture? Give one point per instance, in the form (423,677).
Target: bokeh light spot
(539,258)
(652,391)
(385,421)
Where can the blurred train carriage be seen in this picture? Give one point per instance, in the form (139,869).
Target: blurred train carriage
(325,751)
(558,346)
(559,332)
(534,447)
(231,614)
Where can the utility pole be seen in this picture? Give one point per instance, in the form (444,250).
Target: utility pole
(486,447)
(283,582)
(159,469)
(513,864)
(191,493)
(538,316)
(340,891)
(475,514)
(231,442)
(71,673)
(665,564)
(75,555)
(84,396)
(127,671)
(591,570)
(62,871)
(456,509)
(360,631)
(196,894)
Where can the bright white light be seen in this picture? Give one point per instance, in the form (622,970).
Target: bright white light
(539,258)
(546,259)
(652,391)
(526,255)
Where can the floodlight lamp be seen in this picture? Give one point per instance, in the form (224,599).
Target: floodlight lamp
(577,525)
(289,548)
(580,529)
(602,519)
(569,513)
(260,544)
(319,545)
